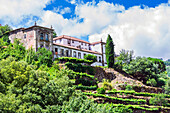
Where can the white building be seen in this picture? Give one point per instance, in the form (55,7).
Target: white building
(74,47)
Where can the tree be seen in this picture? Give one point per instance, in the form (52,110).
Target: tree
(110,52)
(4,29)
(44,56)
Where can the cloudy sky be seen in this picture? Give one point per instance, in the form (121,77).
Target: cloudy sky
(139,25)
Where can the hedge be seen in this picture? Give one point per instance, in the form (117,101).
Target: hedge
(136,93)
(86,87)
(137,101)
(135,107)
(75,60)
(80,68)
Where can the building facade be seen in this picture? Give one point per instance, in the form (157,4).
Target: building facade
(38,36)
(73,47)
(33,37)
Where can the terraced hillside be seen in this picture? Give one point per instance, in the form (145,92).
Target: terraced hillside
(138,99)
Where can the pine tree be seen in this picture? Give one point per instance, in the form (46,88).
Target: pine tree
(110,52)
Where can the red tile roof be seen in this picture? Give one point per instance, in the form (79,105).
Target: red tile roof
(76,39)
(71,38)
(71,47)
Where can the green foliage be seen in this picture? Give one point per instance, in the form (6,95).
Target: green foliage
(75,60)
(167,87)
(158,100)
(44,56)
(27,89)
(15,50)
(152,82)
(90,57)
(136,101)
(80,104)
(129,88)
(106,85)
(80,68)
(167,63)
(30,56)
(145,70)
(168,70)
(101,90)
(136,93)
(80,86)
(159,62)
(4,29)
(110,52)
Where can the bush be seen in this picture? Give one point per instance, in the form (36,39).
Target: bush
(80,68)
(159,100)
(167,87)
(90,57)
(161,82)
(101,90)
(152,82)
(86,87)
(129,88)
(75,60)
(106,85)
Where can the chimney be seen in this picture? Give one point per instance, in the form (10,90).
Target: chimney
(35,23)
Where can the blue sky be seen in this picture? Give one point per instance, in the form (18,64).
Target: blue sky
(139,25)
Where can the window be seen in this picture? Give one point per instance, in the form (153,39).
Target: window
(41,36)
(100,59)
(56,49)
(62,52)
(72,41)
(68,41)
(25,35)
(74,54)
(46,37)
(85,44)
(67,53)
(79,55)
(60,40)
(84,54)
(82,43)
(89,48)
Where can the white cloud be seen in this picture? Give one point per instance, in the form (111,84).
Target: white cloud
(95,18)
(65,10)
(146,31)
(14,11)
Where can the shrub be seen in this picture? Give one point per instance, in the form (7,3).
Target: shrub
(129,88)
(152,82)
(167,87)
(101,90)
(80,68)
(161,82)
(86,87)
(106,85)
(74,60)
(90,57)
(158,100)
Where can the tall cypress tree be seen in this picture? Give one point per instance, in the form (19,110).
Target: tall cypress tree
(109,52)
